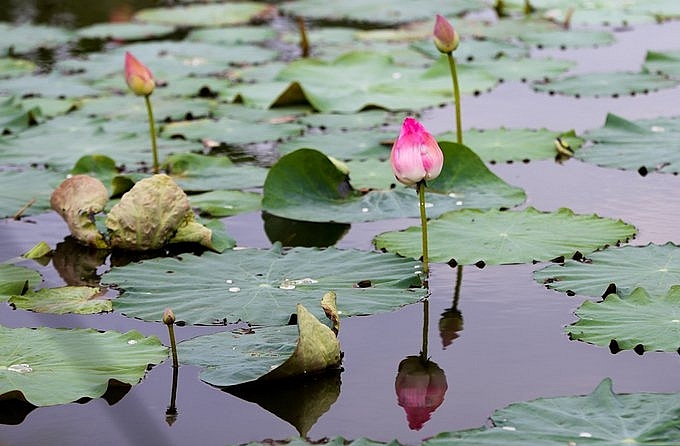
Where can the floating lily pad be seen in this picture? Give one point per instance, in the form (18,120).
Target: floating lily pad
(21,39)
(306,185)
(233,35)
(10,67)
(15,117)
(606,84)
(230,131)
(27,191)
(48,366)
(534,69)
(505,145)
(648,145)
(13,280)
(494,237)
(69,299)
(636,418)
(232,358)
(667,63)
(656,268)
(568,38)
(343,145)
(261,287)
(194,172)
(225,203)
(203,15)
(376,11)
(639,322)
(124,31)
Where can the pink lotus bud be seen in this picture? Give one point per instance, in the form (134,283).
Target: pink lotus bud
(168,317)
(420,386)
(415,156)
(138,77)
(445,37)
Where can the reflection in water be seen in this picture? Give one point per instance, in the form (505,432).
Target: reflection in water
(171,411)
(302,233)
(300,402)
(420,386)
(451,321)
(78,264)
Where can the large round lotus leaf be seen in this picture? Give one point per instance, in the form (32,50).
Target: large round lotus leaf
(656,268)
(600,418)
(606,84)
(15,116)
(470,50)
(356,121)
(568,38)
(194,172)
(225,203)
(233,35)
(21,39)
(52,85)
(377,11)
(667,63)
(306,185)
(533,69)
(362,79)
(48,366)
(648,145)
(127,107)
(13,280)
(124,31)
(69,299)
(203,15)
(261,287)
(504,145)
(230,131)
(343,145)
(638,321)
(496,237)
(10,67)
(27,190)
(232,358)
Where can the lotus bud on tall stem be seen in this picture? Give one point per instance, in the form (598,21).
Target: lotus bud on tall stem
(304,42)
(446,40)
(416,158)
(141,82)
(169,320)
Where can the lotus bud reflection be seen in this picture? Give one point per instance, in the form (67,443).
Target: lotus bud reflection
(415,156)
(445,36)
(420,386)
(450,326)
(138,76)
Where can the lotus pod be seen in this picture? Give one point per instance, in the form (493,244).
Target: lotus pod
(148,215)
(77,200)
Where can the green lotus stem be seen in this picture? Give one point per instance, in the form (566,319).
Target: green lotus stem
(423,225)
(152,131)
(426,323)
(456,97)
(173,346)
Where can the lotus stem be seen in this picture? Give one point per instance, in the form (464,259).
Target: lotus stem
(456,98)
(152,131)
(426,327)
(423,224)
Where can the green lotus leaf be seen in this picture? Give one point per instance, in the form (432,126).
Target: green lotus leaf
(165,109)
(11,67)
(51,85)
(493,237)
(637,322)
(195,172)
(568,38)
(261,287)
(376,11)
(21,39)
(506,145)
(15,117)
(612,84)
(344,145)
(26,192)
(268,353)
(647,145)
(306,185)
(635,418)
(202,15)
(124,31)
(230,131)
(233,35)
(78,199)
(656,268)
(16,279)
(68,299)
(527,69)
(225,203)
(153,213)
(331,122)
(471,50)
(49,366)
(667,63)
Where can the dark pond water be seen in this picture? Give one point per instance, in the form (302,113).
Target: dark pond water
(512,347)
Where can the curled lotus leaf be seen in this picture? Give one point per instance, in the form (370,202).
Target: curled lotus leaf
(78,199)
(155,212)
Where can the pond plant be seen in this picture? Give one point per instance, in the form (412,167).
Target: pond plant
(255,127)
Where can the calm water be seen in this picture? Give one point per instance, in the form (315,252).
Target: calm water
(512,347)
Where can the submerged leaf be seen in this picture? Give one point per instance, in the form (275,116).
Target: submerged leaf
(78,199)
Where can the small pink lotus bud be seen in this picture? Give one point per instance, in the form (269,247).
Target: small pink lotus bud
(415,156)
(168,317)
(445,37)
(138,77)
